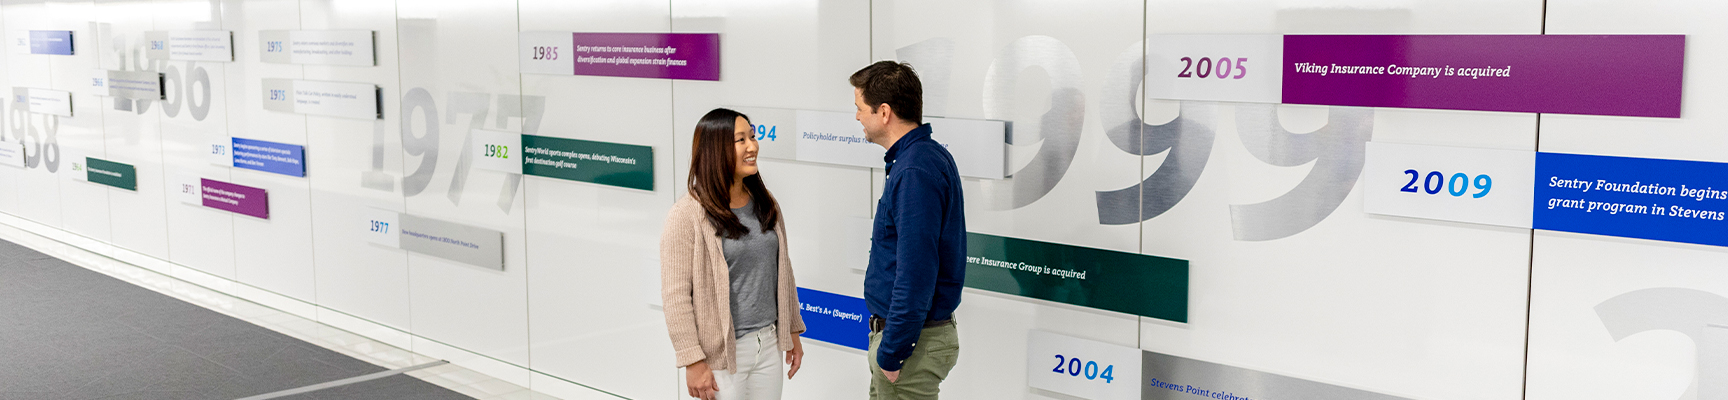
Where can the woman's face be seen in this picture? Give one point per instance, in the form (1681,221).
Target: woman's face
(744,143)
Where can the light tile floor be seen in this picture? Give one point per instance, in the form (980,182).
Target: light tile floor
(451,376)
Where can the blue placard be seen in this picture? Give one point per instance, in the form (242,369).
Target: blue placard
(1668,200)
(285,159)
(834,318)
(51,42)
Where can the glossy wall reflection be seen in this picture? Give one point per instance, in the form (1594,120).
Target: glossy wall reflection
(1287,274)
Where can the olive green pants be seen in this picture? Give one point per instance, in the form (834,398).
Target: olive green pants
(921,377)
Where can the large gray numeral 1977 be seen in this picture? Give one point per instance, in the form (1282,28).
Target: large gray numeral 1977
(425,145)
(530,109)
(477,106)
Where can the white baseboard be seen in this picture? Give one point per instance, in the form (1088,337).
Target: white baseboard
(504,371)
(142,260)
(371,330)
(565,390)
(269,299)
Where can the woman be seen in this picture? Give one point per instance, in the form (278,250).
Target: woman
(731,304)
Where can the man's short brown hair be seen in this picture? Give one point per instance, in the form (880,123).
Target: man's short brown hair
(895,84)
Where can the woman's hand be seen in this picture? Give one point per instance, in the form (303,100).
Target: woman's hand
(701,381)
(795,357)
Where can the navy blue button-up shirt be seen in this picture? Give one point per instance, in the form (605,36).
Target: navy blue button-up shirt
(918,245)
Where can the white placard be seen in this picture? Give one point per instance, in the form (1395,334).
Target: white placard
(189,45)
(44,101)
(186,188)
(350,47)
(1083,368)
(136,85)
(97,84)
(833,137)
(1240,68)
(336,99)
(321,47)
(1482,186)
(12,154)
(979,146)
(220,150)
(547,53)
(74,165)
(19,41)
(497,150)
(380,226)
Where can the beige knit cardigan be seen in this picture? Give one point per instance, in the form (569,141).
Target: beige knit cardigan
(696,289)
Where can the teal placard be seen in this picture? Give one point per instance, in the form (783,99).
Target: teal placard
(1149,286)
(111,173)
(614,164)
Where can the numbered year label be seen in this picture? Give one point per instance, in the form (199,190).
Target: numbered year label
(498,151)
(190,45)
(380,226)
(1082,368)
(321,47)
(1483,186)
(220,151)
(1241,68)
(546,53)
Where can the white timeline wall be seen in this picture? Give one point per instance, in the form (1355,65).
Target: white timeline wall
(1404,307)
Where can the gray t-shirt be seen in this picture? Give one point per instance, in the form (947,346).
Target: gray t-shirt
(753,265)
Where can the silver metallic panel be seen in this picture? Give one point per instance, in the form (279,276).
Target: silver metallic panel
(451,241)
(1337,151)
(1175,378)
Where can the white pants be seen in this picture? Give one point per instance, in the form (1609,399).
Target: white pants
(759,371)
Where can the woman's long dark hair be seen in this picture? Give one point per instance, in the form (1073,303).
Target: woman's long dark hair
(713,161)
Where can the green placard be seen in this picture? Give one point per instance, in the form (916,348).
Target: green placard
(604,163)
(1138,284)
(111,173)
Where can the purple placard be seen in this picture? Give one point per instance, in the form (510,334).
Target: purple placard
(691,56)
(238,199)
(1624,75)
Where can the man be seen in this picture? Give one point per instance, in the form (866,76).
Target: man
(918,245)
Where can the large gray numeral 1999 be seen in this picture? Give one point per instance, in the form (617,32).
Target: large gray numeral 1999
(1188,138)
(1337,151)
(1058,130)
(1700,315)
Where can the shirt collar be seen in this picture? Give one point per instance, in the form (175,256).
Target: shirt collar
(919,133)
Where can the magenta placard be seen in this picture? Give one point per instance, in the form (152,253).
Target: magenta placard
(692,56)
(1622,75)
(237,199)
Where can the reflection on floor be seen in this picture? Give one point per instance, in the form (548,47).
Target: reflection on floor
(68,332)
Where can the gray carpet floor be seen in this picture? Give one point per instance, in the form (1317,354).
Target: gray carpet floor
(71,333)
